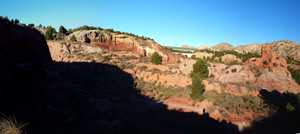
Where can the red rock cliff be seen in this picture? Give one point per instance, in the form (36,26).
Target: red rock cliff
(113,41)
(274,73)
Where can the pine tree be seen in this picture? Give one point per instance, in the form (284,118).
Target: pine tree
(49,33)
(73,38)
(62,30)
(17,21)
(156,59)
(201,68)
(200,72)
(197,87)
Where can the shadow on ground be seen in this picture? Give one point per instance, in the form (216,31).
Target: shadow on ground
(282,121)
(94,98)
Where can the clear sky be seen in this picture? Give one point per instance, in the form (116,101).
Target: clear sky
(170,22)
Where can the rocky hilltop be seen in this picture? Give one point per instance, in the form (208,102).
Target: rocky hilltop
(284,48)
(186,46)
(204,47)
(268,72)
(114,41)
(223,46)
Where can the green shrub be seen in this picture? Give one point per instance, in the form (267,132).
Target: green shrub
(290,108)
(225,114)
(59,36)
(211,109)
(178,61)
(193,57)
(73,38)
(156,59)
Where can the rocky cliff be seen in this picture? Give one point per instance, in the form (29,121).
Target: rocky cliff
(114,41)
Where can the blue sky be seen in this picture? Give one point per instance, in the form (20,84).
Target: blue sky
(170,22)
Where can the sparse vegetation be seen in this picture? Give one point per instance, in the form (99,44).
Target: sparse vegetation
(9,125)
(295,74)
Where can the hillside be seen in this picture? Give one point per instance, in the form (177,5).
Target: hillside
(105,83)
(82,95)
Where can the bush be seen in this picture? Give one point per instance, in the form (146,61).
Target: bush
(225,114)
(290,108)
(32,25)
(156,59)
(178,61)
(211,109)
(59,36)
(85,27)
(193,56)
(73,38)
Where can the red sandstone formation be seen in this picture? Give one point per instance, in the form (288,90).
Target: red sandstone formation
(113,41)
(275,75)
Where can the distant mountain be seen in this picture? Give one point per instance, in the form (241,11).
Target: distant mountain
(223,46)
(284,48)
(186,46)
(204,47)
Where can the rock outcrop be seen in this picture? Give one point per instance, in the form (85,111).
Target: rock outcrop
(267,72)
(114,41)
(284,48)
(275,75)
(203,54)
(227,58)
(62,51)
